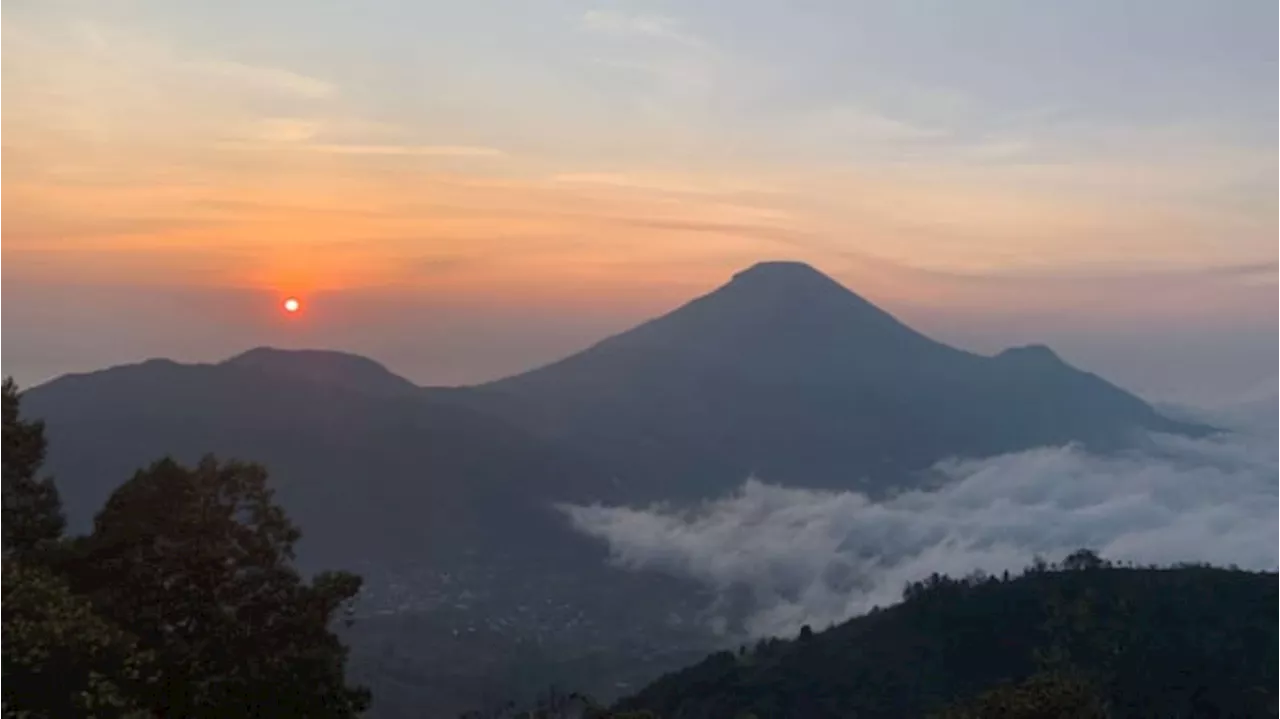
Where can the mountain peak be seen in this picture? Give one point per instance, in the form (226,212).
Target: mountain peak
(1033,353)
(331,367)
(773,320)
(793,270)
(789,286)
(786,276)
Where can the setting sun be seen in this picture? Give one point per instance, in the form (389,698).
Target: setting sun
(292,305)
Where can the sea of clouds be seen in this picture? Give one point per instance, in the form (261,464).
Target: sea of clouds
(814,557)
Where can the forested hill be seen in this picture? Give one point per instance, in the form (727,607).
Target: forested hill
(1140,642)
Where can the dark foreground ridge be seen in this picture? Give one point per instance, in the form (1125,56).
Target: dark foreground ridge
(1145,642)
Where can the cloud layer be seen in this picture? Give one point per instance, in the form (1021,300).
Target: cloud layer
(801,556)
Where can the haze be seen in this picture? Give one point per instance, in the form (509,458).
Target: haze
(464,190)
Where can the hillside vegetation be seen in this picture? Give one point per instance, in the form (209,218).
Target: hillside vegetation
(182,602)
(1082,639)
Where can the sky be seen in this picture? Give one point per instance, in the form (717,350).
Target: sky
(466,190)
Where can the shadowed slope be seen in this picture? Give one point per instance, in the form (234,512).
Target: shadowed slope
(785,373)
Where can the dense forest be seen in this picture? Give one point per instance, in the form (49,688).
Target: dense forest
(1082,638)
(181,602)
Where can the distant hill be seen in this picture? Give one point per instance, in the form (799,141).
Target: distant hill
(325,367)
(1192,641)
(365,462)
(786,374)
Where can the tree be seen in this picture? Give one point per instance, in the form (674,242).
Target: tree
(1043,696)
(32,510)
(1083,559)
(196,562)
(60,657)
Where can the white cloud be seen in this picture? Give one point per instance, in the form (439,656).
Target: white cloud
(815,557)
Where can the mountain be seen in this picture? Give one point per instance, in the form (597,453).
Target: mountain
(1187,641)
(442,497)
(782,373)
(325,367)
(364,461)
(786,374)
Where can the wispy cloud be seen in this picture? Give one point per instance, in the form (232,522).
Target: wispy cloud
(849,122)
(657,27)
(272,79)
(288,139)
(286,129)
(674,183)
(417,150)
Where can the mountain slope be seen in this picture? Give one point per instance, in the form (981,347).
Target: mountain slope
(786,374)
(1191,641)
(325,367)
(361,459)
(782,373)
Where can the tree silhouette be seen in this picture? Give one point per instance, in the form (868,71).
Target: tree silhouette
(196,562)
(32,510)
(1043,696)
(60,657)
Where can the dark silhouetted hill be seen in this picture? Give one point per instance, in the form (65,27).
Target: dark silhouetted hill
(366,463)
(1192,641)
(786,374)
(325,367)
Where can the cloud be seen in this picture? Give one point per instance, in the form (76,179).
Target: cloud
(853,123)
(422,150)
(286,129)
(1251,409)
(287,136)
(670,72)
(265,78)
(668,183)
(805,556)
(656,27)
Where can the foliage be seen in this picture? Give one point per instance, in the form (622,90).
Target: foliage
(1043,696)
(1084,638)
(555,704)
(182,602)
(61,658)
(196,563)
(32,510)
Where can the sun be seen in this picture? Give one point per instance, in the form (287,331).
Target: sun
(292,305)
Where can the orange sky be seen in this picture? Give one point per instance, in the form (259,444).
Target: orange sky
(147,153)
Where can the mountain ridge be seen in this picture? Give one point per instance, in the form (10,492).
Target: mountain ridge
(449,493)
(781,372)
(784,371)
(1150,641)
